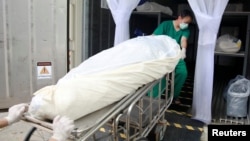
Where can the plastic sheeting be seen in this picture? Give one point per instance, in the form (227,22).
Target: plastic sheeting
(121,11)
(154,7)
(208,15)
(228,43)
(107,77)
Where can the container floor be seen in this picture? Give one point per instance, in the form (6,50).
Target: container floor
(180,125)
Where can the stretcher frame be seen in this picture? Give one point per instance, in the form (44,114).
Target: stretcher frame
(120,116)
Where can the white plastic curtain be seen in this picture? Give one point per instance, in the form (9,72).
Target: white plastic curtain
(121,11)
(208,14)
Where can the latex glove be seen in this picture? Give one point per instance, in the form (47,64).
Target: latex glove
(183,53)
(16,112)
(62,127)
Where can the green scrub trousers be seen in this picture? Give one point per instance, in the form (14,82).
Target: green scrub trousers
(180,77)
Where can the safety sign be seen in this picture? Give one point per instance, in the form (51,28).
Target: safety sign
(44,70)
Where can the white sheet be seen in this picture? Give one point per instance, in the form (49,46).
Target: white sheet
(107,77)
(121,11)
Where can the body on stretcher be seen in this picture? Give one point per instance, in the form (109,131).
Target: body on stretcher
(107,87)
(106,77)
(133,117)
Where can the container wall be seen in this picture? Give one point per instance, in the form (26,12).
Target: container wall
(33,47)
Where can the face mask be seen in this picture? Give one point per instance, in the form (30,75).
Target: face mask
(183,25)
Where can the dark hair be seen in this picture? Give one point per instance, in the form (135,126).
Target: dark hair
(185,13)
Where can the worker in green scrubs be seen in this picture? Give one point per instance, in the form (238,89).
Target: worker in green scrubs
(178,30)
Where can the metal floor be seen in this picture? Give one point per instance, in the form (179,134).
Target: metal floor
(222,75)
(181,126)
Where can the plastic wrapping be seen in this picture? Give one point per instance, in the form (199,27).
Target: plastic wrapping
(237,98)
(107,77)
(154,7)
(228,43)
(238,77)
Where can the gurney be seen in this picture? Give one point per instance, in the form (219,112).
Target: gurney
(132,118)
(109,89)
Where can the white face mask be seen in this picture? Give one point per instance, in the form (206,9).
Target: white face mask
(183,25)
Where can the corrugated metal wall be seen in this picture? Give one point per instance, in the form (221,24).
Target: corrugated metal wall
(31,32)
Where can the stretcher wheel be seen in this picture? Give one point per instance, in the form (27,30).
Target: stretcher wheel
(142,139)
(158,132)
(36,134)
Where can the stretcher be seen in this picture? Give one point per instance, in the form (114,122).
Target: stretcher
(134,117)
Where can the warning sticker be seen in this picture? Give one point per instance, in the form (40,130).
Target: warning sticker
(44,70)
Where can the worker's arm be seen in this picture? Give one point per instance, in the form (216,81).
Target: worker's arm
(3,122)
(15,113)
(52,139)
(184,43)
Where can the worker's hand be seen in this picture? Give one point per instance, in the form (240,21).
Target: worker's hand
(62,127)
(16,112)
(183,53)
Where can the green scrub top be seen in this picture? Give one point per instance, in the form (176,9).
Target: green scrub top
(167,28)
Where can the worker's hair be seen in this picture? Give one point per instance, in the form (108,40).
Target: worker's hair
(185,13)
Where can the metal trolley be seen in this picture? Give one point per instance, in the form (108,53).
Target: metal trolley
(135,117)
